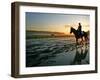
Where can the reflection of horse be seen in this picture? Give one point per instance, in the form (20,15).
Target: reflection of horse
(79,36)
(80,55)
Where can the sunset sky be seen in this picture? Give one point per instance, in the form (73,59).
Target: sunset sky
(55,22)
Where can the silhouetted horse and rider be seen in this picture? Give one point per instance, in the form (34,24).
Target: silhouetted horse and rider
(79,34)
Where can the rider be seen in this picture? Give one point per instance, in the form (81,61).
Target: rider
(79,29)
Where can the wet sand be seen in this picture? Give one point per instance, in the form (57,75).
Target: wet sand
(55,51)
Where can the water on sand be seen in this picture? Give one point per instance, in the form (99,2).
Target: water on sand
(55,51)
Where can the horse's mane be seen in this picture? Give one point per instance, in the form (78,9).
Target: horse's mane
(73,28)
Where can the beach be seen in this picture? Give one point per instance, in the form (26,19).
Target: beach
(55,51)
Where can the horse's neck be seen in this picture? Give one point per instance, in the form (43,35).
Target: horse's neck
(74,31)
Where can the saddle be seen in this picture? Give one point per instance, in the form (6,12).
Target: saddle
(80,32)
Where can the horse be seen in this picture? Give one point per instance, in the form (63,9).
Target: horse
(79,36)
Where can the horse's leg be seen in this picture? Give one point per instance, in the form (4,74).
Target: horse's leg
(81,42)
(86,40)
(76,41)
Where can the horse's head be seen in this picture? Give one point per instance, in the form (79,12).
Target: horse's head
(71,30)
